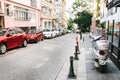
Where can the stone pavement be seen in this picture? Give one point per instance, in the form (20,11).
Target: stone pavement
(84,68)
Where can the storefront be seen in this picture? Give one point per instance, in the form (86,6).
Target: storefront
(113,31)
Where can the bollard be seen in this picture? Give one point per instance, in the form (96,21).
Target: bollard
(78,51)
(71,74)
(76,39)
(83,39)
(76,54)
(80,37)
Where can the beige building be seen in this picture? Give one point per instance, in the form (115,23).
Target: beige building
(64,17)
(46,13)
(53,14)
(96,14)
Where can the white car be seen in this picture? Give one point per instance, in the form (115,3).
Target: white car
(48,33)
(56,32)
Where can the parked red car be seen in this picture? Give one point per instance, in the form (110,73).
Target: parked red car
(11,38)
(33,34)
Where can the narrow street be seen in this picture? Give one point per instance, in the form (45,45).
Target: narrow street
(49,60)
(41,61)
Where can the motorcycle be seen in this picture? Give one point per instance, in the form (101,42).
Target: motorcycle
(100,49)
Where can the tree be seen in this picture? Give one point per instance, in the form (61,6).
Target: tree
(83,20)
(83,15)
(70,23)
(81,4)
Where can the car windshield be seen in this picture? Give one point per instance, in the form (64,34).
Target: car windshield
(47,30)
(32,31)
(2,32)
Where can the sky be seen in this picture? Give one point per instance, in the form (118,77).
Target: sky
(68,5)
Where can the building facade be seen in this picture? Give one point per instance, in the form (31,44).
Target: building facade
(44,14)
(110,10)
(96,12)
(64,17)
(53,14)
(58,10)
(47,7)
(19,13)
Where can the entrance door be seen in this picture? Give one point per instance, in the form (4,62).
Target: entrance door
(2,22)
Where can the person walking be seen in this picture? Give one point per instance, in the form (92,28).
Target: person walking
(80,34)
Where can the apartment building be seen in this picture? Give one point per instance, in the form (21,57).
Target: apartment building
(19,13)
(47,7)
(64,17)
(58,10)
(53,14)
(42,14)
(110,10)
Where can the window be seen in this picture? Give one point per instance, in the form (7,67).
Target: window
(45,23)
(22,14)
(34,3)
(49,24)
(46,11)
(43,10)
(12,32)
(8,11)
(2,32)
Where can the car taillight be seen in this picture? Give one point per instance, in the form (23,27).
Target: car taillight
(101,52)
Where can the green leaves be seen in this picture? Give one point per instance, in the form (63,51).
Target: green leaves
(70,24)
(83,20)
(81,8)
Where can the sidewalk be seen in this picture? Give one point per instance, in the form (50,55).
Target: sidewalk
(79,66)
(84,67)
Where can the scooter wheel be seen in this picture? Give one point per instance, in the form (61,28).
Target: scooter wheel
(102,68)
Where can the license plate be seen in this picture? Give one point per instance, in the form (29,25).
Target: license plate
(105,46)
(102,62)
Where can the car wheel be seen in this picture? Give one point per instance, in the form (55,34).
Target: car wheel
(25,43)
(43,39)
(51,36)
(3,48)
(36,40)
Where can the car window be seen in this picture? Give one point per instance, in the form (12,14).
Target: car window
(37,31)
(18,30)
(2,32)
(31,31)
(12,31)
(46,30)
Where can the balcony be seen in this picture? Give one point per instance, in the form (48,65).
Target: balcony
(113,3)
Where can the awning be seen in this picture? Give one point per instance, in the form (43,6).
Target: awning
(113,3)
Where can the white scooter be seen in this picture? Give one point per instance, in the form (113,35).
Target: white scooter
(100,47)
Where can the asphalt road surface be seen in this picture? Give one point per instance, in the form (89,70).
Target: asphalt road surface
(45,60)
